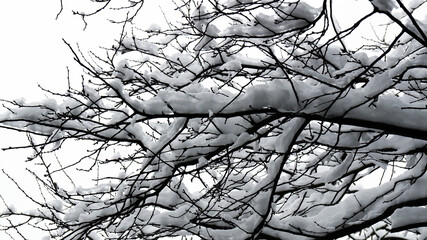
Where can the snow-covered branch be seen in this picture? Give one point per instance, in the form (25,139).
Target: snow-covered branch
(244,119)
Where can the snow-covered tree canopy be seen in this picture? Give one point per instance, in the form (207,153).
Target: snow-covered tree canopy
(242,119)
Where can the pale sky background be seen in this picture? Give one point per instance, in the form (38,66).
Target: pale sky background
(29,54)
(32,52)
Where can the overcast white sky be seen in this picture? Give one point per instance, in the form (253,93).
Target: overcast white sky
(32,52)
(29,37)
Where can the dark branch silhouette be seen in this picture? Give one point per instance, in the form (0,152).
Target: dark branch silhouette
(242,119)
